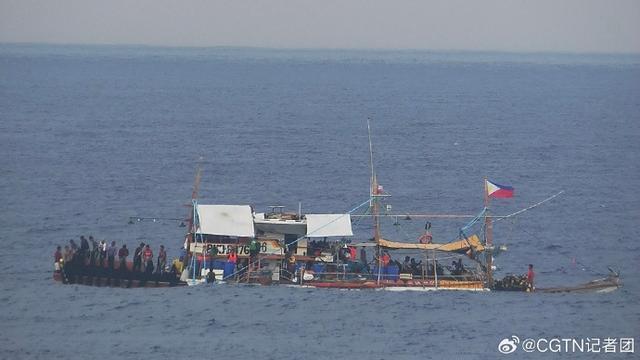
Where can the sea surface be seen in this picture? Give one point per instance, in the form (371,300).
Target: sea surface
(93,135)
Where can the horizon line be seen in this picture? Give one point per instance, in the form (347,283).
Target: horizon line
(287,48)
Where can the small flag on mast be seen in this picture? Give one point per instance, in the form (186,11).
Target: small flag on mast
(499,191)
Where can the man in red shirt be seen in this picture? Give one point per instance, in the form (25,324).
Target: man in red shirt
(147,259)
(530,277)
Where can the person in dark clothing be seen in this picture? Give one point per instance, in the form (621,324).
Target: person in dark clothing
(93,256)
(137,258)
(84,247)
(111,255)
(122,255)
(211,277)
(73,246)
(254,249)
(162,260)
(212,252)
(363,255)
(430,269)
(149,267)
(406,265)
(416,267)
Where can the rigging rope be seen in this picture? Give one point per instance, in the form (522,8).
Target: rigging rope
(498,218)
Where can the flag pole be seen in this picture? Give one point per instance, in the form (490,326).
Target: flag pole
(488,234)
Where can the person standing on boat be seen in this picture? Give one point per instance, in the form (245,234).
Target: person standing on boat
(57,256)
(73,246)
(353,253)
(67,255)
(92,254)
(95,252)
(162,260)
(137,257)
(254,249)
(122,255)
(84,247)
(233,257)
(102,251)
(111,255)
(212,252)
(230,267)
(530,277)
(147,259)
(291,264)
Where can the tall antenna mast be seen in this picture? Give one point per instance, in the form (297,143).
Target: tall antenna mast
(192,215)
(374,190)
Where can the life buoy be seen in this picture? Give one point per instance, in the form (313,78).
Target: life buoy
(426,238)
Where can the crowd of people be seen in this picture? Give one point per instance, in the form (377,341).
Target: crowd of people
(97,255)
(411,266)
(347,255)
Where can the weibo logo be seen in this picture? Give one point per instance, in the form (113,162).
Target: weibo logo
(509,345)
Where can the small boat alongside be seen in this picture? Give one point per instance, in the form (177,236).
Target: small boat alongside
(603,285)
(79,272)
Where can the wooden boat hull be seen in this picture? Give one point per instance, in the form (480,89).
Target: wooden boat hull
(411,285)
(116,281)
(604,285)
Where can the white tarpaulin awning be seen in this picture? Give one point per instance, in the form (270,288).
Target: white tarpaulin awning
(226,220)
(325,225)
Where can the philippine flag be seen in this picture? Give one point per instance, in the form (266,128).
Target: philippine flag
(499,191)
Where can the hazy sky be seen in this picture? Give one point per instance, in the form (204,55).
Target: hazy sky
(510,25)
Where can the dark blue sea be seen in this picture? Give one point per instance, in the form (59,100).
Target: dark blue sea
(93,135)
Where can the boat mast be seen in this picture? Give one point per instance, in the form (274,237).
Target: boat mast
(374,205)
(374,190)
(488,234)
(194,196)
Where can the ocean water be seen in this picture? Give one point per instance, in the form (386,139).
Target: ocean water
(93,135)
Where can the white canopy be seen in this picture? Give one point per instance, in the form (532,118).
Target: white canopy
(226,220)
(325,225)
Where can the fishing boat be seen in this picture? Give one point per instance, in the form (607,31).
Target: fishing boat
(318,250)
(236,244)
